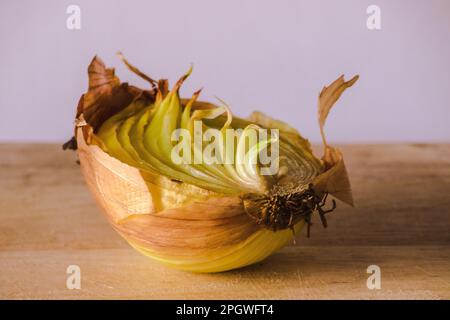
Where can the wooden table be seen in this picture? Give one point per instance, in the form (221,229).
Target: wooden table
(401,223)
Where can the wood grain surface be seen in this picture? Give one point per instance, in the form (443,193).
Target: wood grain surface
(401,222)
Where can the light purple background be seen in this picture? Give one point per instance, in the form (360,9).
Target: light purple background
(274,56)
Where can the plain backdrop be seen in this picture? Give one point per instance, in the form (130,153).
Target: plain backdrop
(274,56)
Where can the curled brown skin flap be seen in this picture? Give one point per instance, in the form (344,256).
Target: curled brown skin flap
(335,179)
(106,95)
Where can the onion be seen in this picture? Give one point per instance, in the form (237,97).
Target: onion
(195,216)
